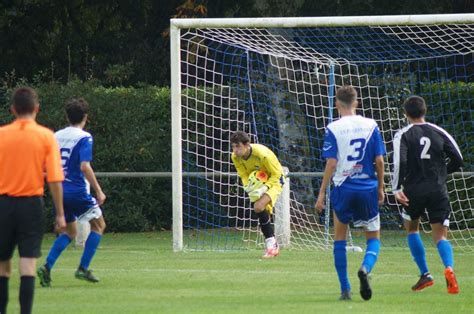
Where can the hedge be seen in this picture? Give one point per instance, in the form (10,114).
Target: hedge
(131,129)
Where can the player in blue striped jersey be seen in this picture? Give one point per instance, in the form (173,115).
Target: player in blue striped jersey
(76,153)
(354,151)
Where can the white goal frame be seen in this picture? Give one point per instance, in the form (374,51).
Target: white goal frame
(175,32)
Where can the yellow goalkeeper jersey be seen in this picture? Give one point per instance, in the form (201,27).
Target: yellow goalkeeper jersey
(261,158)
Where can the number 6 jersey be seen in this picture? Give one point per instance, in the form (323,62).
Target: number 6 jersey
(75,146)
(354,141)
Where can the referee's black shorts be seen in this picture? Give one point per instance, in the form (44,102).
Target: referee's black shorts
(436,203)
(21,223)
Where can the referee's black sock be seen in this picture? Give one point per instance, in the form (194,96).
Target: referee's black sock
(265,224)
(27,291)
(3,294)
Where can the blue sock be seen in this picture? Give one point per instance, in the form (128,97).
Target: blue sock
(340,261)
(418,252)
(371,254)
(92,243)
(59,245)
(446,252)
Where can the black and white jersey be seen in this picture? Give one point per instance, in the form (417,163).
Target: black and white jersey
(419,156)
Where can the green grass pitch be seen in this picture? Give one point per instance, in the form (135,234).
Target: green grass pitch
(140,274)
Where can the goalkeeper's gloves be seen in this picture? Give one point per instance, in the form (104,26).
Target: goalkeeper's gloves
(250,186)
(256,194)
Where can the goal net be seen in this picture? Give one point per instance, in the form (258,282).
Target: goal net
(276,79)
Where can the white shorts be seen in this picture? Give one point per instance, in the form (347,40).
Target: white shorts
(93,213)
(371,225)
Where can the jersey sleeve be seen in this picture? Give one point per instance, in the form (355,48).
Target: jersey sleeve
(400,159)
(451,149)
(273,166)
(330,145)
(379,144)
(241,171)
(85,150)
(54,170)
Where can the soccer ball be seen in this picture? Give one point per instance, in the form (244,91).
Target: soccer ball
(259,175)
(256,179)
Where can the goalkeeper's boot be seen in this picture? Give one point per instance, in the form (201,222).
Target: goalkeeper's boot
(425,281)
(451,281)
(86,274)
(365,290)
(272,251)
(44,276)
(345,296)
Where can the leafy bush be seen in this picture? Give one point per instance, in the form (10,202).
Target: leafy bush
(131,129)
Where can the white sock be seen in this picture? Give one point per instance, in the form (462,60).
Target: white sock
(270,243)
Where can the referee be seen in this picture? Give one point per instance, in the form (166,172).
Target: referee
(27,151)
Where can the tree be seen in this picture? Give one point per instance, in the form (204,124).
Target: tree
(56,39)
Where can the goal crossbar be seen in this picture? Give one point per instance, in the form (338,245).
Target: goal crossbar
(284,22)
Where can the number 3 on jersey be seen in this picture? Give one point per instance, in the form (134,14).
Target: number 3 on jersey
(358,144)
(426,143)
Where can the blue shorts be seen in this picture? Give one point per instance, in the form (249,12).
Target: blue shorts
(359,206)
(80,206)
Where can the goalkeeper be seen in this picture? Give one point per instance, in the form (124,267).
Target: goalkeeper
(263,194)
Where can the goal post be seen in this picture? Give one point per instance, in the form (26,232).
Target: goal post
(176,152)
(275,78)
(282,215)
(83,227)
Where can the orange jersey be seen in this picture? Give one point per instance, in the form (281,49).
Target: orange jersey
(27,151)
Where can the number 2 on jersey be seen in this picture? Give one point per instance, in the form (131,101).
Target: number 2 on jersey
(426,143)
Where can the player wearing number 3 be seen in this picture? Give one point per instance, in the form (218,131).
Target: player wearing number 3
(249,158)
(76,153)
(354,150)
(419,183)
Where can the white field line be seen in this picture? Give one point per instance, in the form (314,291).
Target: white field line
(235,271)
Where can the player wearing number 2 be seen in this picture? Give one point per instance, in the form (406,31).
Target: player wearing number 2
(419,183)
(76,153)
(354,150)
